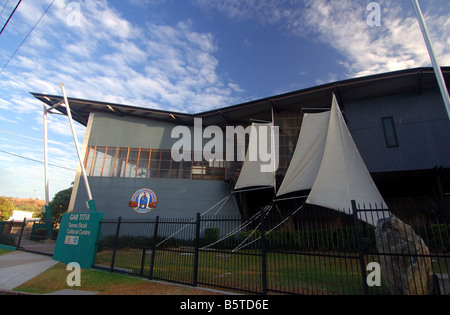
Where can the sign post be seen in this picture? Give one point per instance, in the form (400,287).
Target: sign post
(77,240)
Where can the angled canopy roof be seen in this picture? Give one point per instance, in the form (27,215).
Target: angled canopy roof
(411,80)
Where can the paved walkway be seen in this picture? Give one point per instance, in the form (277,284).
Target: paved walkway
(18,267)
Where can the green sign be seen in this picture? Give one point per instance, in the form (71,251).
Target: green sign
(77,238)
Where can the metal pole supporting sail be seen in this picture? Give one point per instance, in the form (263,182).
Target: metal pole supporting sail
(46,208)
(91,203)
(437,68)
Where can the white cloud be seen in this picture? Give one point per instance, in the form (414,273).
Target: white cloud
(107,58)
(396,44)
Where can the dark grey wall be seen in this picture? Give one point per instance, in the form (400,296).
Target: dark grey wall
(176,198)
(422,125)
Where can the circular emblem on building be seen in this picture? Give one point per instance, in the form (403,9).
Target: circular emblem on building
(143,201)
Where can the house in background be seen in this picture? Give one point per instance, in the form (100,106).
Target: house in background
(19,216)
(397,120)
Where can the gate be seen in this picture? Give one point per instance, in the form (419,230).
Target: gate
(36,236)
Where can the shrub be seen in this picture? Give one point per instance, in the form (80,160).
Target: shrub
(436,236)
(212,235)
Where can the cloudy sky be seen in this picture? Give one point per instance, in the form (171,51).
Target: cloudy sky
(185,55)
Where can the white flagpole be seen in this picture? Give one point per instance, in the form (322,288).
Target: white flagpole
(437,68)
(91,203)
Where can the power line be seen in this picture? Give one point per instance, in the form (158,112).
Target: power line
(10,16)
(27,36)
(15,134)
(6,3)
(37,161)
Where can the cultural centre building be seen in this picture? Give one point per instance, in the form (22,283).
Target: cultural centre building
(397,121)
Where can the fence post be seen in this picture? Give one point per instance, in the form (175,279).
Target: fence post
(155,242)
(360,248)
(21,232)
(263,253)
(116,241)
(197,247)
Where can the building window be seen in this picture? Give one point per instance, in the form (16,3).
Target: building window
(390,134)
(148,163)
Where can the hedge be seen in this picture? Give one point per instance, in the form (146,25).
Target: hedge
(435,236)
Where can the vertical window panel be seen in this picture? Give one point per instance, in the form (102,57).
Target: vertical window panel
(142,170)
(110,159)
(88,158)
(96,169)
(132,163)
(390,133)
(121,162)
(155,163)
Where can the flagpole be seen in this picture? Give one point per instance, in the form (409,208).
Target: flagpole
(90,202)
(437,68)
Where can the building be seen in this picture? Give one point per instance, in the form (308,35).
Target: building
(19,216)
(397,120)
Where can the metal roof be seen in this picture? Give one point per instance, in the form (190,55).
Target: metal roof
(411,80)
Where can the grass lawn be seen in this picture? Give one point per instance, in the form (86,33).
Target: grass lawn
(5,251)
(298,274)
(54,279)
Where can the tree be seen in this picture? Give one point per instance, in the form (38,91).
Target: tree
(6,209)
(60,203)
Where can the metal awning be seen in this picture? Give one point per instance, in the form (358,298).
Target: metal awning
(411,80)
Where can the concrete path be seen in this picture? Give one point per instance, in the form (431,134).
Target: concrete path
(18,267)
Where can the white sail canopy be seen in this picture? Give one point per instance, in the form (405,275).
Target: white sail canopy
(328,162)
(252,172)
(305,162)
(343,176)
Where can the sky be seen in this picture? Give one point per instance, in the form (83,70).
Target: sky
(185,56)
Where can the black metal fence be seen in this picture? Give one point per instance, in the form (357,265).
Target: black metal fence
(314,251)
(37,236)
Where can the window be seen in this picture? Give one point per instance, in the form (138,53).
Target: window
(144,163)
(390,134)
(148,163)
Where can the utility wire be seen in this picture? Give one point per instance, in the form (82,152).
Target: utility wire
(15,134)
(26,36)
(37,161)
(6,3)
(10,16)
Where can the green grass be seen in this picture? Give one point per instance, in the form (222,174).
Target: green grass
(54,279)
(105,283)
(299,274)
(5,251)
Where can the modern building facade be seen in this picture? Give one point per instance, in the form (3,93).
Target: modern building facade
(397,120)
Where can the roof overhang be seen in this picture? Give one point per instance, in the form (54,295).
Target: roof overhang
(411,80)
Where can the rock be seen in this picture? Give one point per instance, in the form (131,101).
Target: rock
(403,269)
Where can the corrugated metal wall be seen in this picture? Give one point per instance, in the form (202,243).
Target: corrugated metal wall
(421,123)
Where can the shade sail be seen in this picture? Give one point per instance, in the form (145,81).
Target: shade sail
(253,173)
(305,162)
(343,176)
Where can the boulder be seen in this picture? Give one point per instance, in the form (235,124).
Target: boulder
(403,268)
